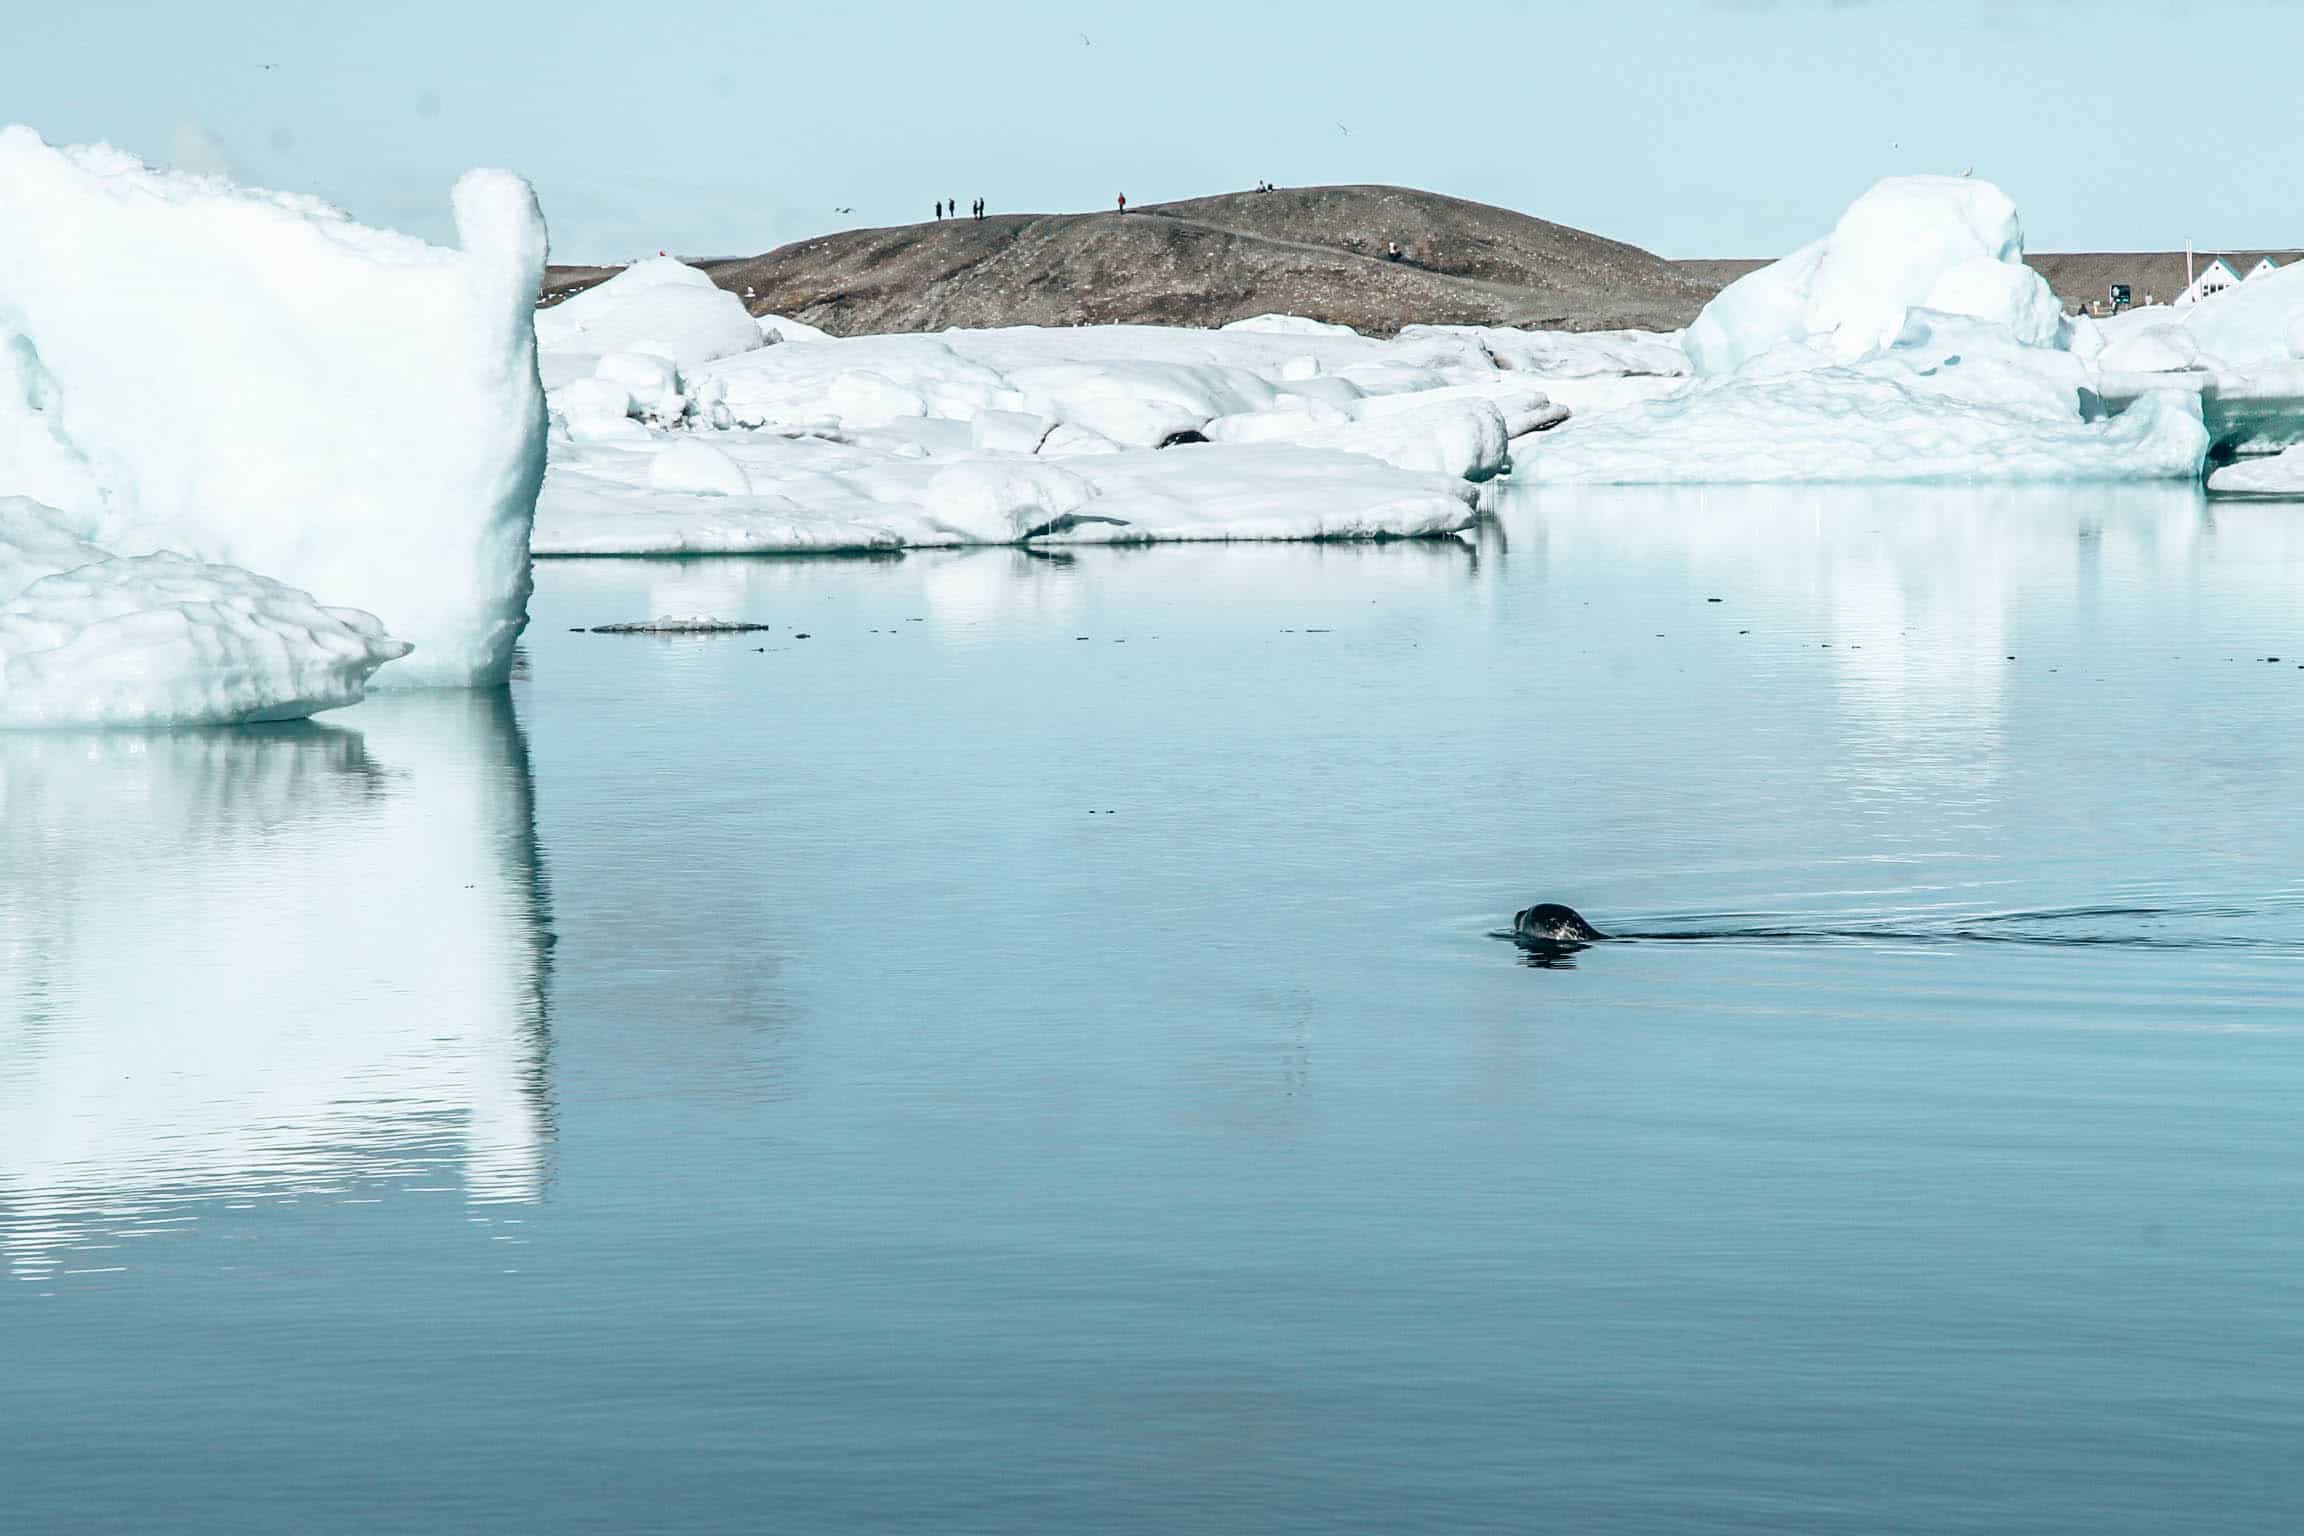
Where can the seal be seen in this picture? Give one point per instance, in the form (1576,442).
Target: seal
(1550,923)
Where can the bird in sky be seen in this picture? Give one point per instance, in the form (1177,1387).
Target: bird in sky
(1084,41)
(1969,172)
(843,210)
(1340,128)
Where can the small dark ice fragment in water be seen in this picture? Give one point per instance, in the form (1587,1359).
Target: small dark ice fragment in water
(669,626)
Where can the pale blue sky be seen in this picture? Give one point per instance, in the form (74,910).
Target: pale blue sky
(1694,127)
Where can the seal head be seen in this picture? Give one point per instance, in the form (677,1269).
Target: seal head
(1550,923)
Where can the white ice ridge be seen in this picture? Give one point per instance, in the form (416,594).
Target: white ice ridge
(1271,429)
(252,379)
(92,639)
(1912,343)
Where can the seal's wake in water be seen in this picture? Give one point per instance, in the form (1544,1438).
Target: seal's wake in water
(1551,934)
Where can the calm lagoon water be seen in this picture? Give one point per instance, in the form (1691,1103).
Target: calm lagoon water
(1030,1056)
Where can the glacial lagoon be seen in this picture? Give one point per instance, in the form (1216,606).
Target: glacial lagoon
(1031,1055)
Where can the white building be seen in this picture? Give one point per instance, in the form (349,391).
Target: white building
(2214,278)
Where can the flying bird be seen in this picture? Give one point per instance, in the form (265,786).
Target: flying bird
(843,210)
(1969,172)
(1084,41)
(1340,128)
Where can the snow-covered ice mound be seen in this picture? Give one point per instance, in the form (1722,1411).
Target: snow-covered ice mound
(1943,243)
(660,306)
(252,379)
(1910,344)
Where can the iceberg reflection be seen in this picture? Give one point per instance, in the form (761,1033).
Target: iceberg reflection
(244,964)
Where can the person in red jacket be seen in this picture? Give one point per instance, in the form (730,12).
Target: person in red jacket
(1123,202)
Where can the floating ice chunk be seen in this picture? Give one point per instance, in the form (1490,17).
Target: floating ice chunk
(2281,474)
(161,640)
(660,305)
(668,624)
(253,379)
(691,464)
(1946,243)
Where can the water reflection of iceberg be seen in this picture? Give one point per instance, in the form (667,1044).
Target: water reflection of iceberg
(244,964)
(1915,596)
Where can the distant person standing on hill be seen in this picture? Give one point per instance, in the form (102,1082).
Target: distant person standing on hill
(939,210)
(1123,202)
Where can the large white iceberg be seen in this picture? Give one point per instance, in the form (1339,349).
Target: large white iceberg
(252,379)
(1944,243)
(1910,344)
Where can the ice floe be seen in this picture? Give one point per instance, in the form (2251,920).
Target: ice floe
(251,379)
(1115,434)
